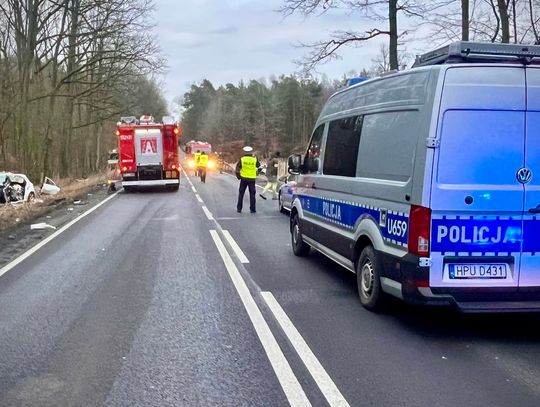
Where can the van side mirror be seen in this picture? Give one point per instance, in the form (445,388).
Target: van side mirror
(294,164)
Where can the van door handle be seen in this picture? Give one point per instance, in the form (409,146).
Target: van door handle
(535,210)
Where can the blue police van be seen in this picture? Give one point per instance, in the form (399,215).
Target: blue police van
(426,182)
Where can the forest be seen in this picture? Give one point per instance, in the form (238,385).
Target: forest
(272,115)
(68,70)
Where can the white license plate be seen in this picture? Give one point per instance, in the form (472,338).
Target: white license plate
(466,271)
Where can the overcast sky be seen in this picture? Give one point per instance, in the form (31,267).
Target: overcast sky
(229,40)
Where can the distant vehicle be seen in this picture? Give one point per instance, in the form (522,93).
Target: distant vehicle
(286,192)
(192,147)
(114,176)
(426,182)
(16,188)
(148,153)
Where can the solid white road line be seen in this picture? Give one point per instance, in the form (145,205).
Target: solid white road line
(207,213)
(237,251)
(289,383)
(38,246)
(193,189)
(199,198)
(323,380)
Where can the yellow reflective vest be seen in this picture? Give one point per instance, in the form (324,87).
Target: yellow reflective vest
(249,167)
(202,160)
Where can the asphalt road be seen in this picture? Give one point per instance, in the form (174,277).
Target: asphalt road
(140,304)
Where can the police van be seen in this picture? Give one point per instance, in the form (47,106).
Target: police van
(426,182)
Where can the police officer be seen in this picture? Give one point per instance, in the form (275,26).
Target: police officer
(202,164)
(196,159)
(246,171)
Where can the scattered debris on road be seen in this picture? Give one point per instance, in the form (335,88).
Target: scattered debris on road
(42,225)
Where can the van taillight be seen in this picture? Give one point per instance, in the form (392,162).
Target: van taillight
(419,230)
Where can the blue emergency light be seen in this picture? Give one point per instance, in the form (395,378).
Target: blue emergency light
(354,81)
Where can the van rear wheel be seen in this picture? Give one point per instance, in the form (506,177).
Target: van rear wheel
(368,278)
(300,248)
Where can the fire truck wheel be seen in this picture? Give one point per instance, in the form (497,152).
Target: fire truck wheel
(128,189)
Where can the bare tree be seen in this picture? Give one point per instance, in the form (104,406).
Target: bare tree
(379,11)
(484,20)
(504,18)
(69,67)
(465,20)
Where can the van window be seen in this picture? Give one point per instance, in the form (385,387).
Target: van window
(313,154)
(341,152)
(388,145)
(481,147)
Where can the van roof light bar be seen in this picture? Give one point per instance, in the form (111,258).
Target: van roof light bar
(464,51)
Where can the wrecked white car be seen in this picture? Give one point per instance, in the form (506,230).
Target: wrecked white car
(16,188)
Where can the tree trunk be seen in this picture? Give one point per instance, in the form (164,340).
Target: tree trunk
(533,26)
(67,125)
(393,48)
(505,20)
(465,20)
(98,146)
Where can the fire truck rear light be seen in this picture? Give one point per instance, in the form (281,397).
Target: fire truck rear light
(174,167)
(124,169)
(176,130)
(117,132)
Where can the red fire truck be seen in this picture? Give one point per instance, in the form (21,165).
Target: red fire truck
(148,152)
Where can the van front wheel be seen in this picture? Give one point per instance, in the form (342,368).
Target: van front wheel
(368,278)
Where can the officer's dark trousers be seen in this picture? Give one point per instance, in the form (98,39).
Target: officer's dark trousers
(244,183)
